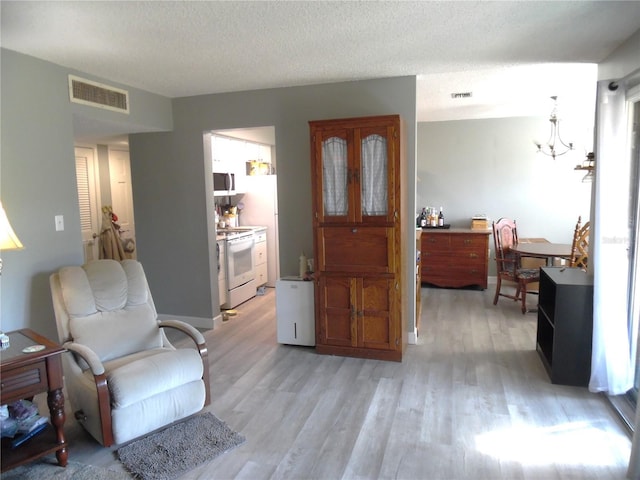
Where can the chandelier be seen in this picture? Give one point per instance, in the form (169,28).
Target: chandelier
(555,146)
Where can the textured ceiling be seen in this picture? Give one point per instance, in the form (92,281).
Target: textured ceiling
(511,55)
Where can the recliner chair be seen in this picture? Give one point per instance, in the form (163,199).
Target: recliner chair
(123,377)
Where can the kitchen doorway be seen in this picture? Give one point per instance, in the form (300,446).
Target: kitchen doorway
(248,155)
(103,173)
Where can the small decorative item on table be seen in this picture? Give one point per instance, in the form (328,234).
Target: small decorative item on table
(479,222)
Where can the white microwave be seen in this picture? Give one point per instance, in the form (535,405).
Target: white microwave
(224,184)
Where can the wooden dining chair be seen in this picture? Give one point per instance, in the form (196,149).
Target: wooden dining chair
(580,245)
(505,236)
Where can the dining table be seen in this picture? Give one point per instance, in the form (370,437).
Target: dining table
(543,249)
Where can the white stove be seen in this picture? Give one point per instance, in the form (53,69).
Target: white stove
(240,268)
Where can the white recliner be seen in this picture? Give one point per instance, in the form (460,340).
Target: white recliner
(123,377)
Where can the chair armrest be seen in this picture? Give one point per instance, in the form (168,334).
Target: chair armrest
(102,389)
(88,355)
(201,344)
(184,327)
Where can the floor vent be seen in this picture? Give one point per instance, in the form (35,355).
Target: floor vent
(98,95)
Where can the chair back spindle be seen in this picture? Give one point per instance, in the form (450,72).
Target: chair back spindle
(580,245)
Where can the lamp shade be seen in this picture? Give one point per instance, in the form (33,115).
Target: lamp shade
(8,239)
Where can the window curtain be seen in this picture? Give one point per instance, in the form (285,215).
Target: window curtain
(334,176)
(633,471)
(611,366)
(374,173)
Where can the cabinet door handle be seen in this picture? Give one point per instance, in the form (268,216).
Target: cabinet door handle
(354,230)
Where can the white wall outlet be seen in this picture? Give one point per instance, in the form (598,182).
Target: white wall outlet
(59,223)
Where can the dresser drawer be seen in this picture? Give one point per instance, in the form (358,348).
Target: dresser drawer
(24,381)
(260,236)
(455,276)
(436,242)
(261,253)
(454,260)
(476,243)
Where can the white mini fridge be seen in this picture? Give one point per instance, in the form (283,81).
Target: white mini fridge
(295,314)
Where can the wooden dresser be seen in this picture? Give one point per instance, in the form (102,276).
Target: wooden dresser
(457,257)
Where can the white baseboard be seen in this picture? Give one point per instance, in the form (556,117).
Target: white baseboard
(412,338)
(197,322)
(217,320)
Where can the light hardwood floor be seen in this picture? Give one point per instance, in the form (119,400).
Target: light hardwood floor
(470,401)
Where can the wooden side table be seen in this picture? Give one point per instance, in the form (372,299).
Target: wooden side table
(23,375)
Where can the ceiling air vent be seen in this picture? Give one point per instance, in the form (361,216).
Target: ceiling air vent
(98,95)
(461,95)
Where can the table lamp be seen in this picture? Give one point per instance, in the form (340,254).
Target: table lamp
(8,239)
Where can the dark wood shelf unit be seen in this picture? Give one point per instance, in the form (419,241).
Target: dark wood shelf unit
(23,375)
(565,324)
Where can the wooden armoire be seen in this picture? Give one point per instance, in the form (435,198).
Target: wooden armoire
(356,170)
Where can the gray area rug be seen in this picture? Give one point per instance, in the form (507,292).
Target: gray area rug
(45,469)
(179,448)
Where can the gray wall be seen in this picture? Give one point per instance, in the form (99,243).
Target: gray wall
(38,179)
(491,167)
(170,179)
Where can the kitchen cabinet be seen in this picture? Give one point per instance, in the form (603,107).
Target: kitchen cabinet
(355,173)
(229,155)
(565,324)
(356,316)
(357,219)
(455,257)
(260,252)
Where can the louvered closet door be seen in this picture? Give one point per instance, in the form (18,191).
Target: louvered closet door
(86,175)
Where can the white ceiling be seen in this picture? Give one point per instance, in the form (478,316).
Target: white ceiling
(511,55)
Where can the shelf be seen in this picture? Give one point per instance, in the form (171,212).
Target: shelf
(42,444)
(563,338)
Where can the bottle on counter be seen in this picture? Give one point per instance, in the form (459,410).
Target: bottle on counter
(423,217)
(434,218)
(441,218)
